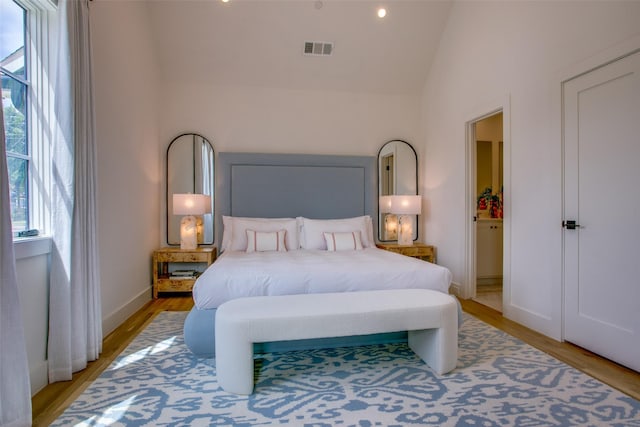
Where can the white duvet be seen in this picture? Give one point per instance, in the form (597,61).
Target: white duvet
(240,274)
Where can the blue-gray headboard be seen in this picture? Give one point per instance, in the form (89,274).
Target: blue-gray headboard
(290,185)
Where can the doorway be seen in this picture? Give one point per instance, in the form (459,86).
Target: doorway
(487,272)
(489,196)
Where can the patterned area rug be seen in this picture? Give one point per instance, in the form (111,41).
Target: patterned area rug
(499,381)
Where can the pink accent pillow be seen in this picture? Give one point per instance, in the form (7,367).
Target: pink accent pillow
(266,241)
(343,241)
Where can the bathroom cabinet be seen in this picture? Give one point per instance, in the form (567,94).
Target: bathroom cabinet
(489,251)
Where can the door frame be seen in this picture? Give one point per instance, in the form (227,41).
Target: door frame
(488,109)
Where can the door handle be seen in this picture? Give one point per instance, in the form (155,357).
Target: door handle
(570,225)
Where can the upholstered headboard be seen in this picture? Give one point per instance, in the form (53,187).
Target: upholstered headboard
(290,185)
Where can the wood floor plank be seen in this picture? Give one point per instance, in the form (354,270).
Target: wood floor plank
(51,401)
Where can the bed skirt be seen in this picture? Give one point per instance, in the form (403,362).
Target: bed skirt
(199,332)
(200,326)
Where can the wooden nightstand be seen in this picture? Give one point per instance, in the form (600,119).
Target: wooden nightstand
(417,250)
(162,278)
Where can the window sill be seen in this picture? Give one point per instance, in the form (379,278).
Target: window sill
(26,247)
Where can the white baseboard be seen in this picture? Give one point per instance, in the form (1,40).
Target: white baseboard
(38,377)
(117,317)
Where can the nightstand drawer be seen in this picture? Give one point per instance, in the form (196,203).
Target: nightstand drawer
(175,285)
(417,250)
(183,256)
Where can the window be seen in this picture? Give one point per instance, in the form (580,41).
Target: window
(26,105)
(14,106)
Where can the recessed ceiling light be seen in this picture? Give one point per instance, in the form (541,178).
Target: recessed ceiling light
(225,1)
(382,12)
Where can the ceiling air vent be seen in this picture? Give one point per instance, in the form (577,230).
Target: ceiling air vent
(318,48)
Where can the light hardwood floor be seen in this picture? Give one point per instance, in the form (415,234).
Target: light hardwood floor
(490,295)
(50,402)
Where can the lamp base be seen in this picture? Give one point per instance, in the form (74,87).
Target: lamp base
(405,230)
(390,226)
(188,233)
(200,228)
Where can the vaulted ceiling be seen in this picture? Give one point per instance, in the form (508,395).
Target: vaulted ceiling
(260,43)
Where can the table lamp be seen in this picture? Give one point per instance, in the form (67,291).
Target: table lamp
(192,206)
(404,207)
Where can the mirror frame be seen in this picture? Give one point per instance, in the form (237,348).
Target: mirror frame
(167,195)
(380,221)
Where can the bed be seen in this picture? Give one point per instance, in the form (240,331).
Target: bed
(327,245)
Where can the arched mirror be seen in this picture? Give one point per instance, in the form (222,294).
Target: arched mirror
(190,169)
(397,175)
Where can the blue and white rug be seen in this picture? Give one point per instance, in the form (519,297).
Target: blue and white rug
(499,381)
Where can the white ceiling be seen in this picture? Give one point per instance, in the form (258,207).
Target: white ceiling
(260,43)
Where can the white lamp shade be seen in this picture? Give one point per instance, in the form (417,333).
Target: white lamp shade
(401,205)
(191,204)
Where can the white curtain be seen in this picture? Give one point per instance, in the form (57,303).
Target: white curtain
(15,391)
(75,315)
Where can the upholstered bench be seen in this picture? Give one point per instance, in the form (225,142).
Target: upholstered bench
(430,317)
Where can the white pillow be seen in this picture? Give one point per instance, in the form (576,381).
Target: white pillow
(266,241)
(312,230)
(240,225)
(227,231)
(343,241)
(369,225)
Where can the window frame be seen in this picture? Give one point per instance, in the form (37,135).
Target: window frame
(22,81)
(39,52)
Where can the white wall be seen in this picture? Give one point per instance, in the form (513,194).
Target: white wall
(255,119)
(129,155)
(32,268)
(491,51)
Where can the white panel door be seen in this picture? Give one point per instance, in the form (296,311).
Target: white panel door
(602,194)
